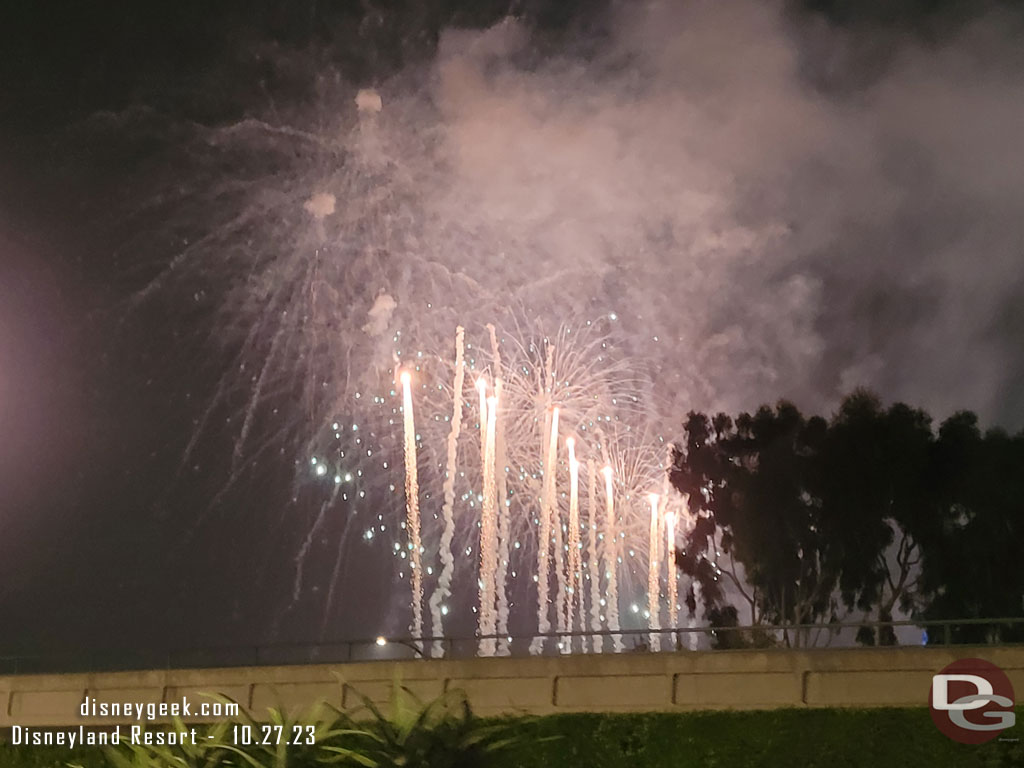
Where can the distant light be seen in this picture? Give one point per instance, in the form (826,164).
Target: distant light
(381,640)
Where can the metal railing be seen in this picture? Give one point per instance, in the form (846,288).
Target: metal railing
(939,632)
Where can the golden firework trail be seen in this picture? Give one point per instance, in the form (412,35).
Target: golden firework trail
(412,506)
(653,568)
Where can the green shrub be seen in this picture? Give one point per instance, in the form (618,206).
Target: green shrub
(442,733)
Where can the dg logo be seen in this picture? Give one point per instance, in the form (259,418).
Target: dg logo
(972,701)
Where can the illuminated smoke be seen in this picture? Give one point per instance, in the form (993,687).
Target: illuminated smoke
(442,591)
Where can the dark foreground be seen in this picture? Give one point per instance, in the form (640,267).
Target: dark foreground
(809,738)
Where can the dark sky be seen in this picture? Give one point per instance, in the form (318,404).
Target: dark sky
(99,541)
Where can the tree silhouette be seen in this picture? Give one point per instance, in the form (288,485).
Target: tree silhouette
(747,485)
(808,520)
(973,565)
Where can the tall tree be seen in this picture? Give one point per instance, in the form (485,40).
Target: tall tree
(872,479)
(973,567)
(747,484)
(806,520)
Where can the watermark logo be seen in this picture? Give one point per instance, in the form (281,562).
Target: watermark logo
(972,701)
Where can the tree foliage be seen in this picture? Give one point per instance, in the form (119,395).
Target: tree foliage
(803,520)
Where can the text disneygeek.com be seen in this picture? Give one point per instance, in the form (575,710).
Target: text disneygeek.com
(101,735)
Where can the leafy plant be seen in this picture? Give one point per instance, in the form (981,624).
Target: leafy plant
(286,741)
(442,733)
(211,752)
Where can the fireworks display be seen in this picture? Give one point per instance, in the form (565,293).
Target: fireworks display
(523,513)
(339,332)
(557,417)
(384,319)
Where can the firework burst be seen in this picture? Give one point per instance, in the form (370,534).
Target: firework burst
(335,305)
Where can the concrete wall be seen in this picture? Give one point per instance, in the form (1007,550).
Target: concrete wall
(630,682)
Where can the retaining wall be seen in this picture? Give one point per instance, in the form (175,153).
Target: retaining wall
(628,682)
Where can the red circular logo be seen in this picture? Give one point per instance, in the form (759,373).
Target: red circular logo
(972,701)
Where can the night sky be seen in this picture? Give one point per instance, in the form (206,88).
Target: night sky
(844,183)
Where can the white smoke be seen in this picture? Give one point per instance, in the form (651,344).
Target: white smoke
(777,238)
(379,316)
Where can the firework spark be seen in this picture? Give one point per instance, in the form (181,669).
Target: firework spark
(574,593)
(502,469)
(546,522)
(487,619)
(610,557)
(670,545)
(653,569)
(593,575)
(412,506)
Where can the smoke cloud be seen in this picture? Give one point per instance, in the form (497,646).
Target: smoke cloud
(765,218)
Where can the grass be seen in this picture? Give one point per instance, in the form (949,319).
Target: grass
(797,738)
